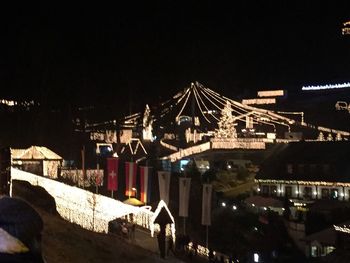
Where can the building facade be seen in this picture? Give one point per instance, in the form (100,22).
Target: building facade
(308,171)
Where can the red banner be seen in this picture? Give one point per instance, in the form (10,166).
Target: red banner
(112,170)
(130,178)
(145,178)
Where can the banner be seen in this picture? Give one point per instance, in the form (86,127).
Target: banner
(130,178)
(145,184)
(184,195)
(206,205)
(112,170)
(164,184)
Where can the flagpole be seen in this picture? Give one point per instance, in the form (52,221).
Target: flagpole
(96,180)
(206,241)
(83,164)
(184,225)
(207,227)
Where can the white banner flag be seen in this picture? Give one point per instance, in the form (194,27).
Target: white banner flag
(164,184)
(184,195)
(206,205)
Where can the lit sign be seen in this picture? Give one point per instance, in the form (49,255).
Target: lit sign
(271,93)
(259,101)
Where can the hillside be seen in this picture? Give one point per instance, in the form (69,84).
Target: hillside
(63,241)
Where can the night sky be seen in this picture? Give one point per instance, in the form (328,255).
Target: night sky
(148,50)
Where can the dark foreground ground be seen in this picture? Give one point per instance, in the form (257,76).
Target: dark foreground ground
(63,241)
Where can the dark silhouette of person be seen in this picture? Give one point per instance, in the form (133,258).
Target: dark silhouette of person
(161,242)
(20,232)
(171,245)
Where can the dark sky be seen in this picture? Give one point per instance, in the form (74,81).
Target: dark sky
(148,50)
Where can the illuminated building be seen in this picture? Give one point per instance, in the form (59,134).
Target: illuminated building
(308,171)
(346,28)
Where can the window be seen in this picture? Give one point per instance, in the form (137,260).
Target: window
(288,191)
(273,190)
(334,194)
(314,251)
(307,192)
(325,193)
(265,189)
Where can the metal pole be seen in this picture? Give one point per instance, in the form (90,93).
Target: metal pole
(184,225)
(206,240)
(96,181)
(112,194)
(83,164)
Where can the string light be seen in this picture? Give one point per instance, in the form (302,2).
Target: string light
(343,229)
(89,210)
(318,183)
(328,86)
(199,106)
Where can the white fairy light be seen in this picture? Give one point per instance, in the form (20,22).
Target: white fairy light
(328,86)
(89,210)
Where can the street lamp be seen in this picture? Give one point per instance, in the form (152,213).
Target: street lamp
(134,189)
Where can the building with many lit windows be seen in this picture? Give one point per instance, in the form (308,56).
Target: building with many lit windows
(307,171)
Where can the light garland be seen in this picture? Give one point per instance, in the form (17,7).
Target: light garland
(160,206)
(188,151)
(318,183)
(343,229)
(328,86)
(199,106)
(89,210)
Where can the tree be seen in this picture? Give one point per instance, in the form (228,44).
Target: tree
(226,123)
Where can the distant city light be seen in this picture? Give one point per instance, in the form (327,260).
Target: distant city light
(223,204)
(329,86)
(265,208)
(234,207)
